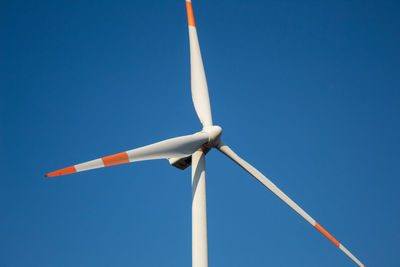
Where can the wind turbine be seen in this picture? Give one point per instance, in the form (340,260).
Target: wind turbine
(191,150)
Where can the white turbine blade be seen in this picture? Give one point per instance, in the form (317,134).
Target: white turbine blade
(201,99)
(170,148)
(265,181)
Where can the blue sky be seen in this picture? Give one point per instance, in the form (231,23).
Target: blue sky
(306,92)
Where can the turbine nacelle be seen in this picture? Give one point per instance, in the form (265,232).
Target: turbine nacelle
(214,133)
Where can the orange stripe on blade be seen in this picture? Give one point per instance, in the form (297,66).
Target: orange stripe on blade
(328,235)
(116,159)
(190,13)
(67,170)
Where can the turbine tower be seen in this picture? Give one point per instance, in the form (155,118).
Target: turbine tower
(191,150)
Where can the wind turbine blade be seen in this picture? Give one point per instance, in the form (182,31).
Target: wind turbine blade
(201,99)
(170,148)
(271,186)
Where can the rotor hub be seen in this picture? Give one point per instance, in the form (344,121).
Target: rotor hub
(214,133)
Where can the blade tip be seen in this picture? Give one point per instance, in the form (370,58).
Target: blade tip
(64,171)
(51,174)
(189,10)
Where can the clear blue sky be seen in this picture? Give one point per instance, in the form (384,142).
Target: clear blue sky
(306,92)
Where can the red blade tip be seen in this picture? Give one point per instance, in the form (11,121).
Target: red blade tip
(64,171)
